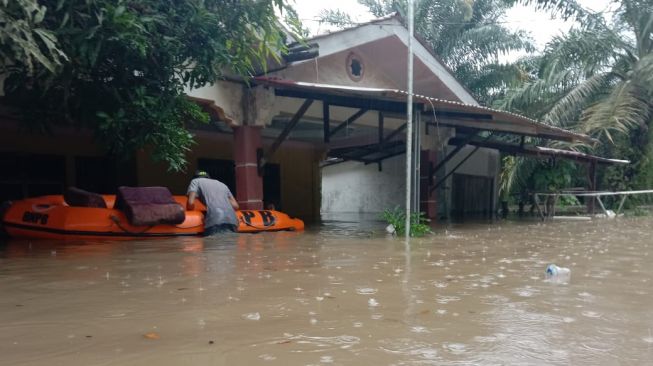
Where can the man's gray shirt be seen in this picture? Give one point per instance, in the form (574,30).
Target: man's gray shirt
(215,196)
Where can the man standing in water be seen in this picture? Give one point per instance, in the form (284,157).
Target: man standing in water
(220,203)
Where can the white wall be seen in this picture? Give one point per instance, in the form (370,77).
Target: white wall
(356,187)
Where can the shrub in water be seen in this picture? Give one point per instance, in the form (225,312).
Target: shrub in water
(397,218)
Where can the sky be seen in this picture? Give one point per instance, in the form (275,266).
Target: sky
(539,24)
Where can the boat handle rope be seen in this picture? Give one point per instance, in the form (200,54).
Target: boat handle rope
(116,220)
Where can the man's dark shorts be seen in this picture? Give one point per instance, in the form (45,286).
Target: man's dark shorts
(219,229)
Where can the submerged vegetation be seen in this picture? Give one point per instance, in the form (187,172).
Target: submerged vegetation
(397,218)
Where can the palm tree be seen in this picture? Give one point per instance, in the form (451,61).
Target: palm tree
(598,79)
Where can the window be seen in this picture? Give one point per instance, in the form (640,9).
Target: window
(355,67)
(96,174)
(220,169)
(30,175)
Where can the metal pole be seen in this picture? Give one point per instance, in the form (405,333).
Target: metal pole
(416,162)
(409,117)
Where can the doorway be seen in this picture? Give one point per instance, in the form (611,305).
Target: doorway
(473,197)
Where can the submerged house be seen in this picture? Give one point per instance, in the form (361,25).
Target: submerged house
(322,132)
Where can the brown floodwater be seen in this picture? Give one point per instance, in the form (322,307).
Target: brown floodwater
(341,293)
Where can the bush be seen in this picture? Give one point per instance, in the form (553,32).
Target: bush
(397,218)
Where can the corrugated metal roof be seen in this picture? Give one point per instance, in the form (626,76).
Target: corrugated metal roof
(578,155)
(498,116)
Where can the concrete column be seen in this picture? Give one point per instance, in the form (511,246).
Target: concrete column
(249,184)
(427,199)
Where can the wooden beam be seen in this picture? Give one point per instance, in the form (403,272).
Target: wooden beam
(380,166)
(591,172)
(326,120)
(378,160)
(532,150)
(348,121)
(371,103)
(284,134)
(460,146)
(395,133)
(436,185)
(490,126)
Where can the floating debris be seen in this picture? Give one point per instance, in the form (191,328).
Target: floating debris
(151,335)
(252,316)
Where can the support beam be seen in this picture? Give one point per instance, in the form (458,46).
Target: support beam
(501,126)
(460,146)
(348,121)
(392,155)
(369,103)
(326,120)
(436,185)
(539,151)
(249,182)
(380,138)
(395,133)
(592,187)
(284,134)
(417,156)
(428,203)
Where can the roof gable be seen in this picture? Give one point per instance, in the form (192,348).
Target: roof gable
(382,47)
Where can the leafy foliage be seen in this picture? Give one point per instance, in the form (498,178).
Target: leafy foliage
(23,40)
(128,63)
(336,17)
(598,79)
(397,218)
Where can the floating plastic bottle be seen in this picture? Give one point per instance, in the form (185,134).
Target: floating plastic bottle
(390,229)
(558,274)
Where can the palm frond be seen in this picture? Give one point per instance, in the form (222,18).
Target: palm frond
(514,172)
(567,108)
(589,50)
(625,109)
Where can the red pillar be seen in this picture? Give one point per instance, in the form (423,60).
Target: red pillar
(427,200)
(249,184)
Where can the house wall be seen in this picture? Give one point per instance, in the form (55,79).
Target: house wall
(484,163)
(353,187)
(227,96)
(332,69)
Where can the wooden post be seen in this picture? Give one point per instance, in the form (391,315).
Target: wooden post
(591,186)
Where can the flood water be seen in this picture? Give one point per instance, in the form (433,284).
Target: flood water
(339,294)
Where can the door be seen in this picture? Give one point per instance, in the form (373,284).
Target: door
(473,196)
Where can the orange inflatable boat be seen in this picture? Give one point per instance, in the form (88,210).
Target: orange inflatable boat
(50,217)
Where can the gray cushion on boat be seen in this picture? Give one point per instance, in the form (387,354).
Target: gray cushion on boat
(146,206)
(76,197)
